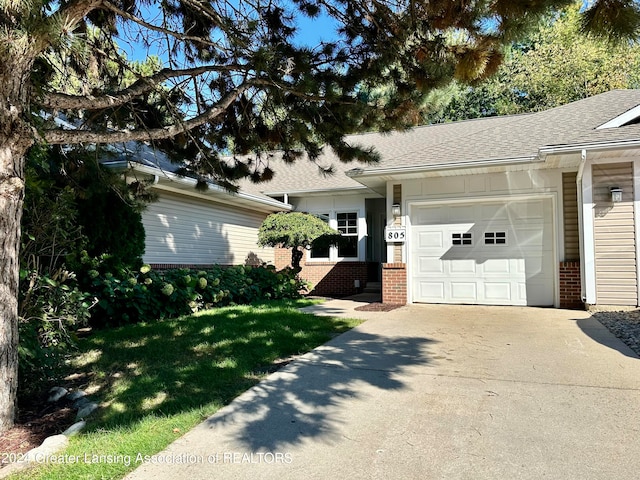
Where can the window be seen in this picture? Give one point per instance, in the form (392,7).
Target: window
(321,252)
(348,227)
(495,238)
(462,239)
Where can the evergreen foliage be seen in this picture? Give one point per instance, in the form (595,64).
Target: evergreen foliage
(297,231)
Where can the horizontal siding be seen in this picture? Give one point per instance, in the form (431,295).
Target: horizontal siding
(183,230)
(570,214)
(616,275)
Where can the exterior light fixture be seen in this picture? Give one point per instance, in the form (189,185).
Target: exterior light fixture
(616,194)
(395,210)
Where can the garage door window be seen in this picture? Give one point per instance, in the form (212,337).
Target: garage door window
(495,238)
(462,239)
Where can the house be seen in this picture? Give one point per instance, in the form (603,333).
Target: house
(535,209)
(186,227)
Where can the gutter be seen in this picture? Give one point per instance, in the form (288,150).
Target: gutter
(359,172)
(293,193)
(550,150)
(583,161)
(212,186)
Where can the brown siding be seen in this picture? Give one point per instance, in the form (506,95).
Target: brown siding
(616,282)
(570,213)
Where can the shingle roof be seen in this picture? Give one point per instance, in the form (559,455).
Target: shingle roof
(480,140)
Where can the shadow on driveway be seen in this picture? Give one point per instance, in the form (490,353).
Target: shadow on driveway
(304,400)
(601,334)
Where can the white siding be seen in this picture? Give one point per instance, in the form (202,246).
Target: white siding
(334,204)
(184,230)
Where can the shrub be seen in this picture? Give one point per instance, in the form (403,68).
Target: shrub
(127,296)
(52,308)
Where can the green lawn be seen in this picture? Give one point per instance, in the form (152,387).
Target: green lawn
(157,380)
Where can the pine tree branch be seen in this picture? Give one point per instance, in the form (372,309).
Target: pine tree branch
(139,21)
(62,137)
(63,101)
(69,15)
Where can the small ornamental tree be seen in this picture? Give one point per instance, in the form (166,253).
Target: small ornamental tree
(295,230)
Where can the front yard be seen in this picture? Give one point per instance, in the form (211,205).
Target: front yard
(155,381)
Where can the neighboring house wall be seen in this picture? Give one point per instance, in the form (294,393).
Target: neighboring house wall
(181,230)
(614,235)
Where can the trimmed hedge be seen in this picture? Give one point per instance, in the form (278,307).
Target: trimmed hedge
(147,294)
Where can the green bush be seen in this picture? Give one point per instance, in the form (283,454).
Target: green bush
(52,308)
(127,296)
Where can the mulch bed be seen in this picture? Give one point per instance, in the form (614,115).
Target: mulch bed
(36,422)
(377,307)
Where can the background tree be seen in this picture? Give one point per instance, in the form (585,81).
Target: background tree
(234,77)
(554,65)
(297,231)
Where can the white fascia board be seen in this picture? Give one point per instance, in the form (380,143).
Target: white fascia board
(191,182)
(578,147)
(319,191)
(357,172)
(621,120)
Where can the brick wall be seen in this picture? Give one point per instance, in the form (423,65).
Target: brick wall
(570,285)
(333,279)
(394,283)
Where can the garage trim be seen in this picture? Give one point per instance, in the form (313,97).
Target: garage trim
(410,205)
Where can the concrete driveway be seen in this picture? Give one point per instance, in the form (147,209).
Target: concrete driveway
(432,392)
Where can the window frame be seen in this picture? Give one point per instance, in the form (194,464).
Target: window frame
(333,223)
(321,216)
(356,235)
(495,236)
(462,239)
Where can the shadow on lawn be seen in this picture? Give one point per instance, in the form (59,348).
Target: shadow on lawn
(179,365)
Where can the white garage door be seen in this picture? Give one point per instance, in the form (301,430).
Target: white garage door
(483,253)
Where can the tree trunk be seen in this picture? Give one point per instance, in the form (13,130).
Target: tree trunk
(11,192)
(296,257)
(15,139)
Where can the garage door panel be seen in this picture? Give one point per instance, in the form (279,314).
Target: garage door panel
(430,240)
(497,291)
(497,265)
(433,291)
(430,265)
(463,291)
(518,272)
(462,266)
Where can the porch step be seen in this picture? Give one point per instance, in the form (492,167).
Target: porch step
(373,287)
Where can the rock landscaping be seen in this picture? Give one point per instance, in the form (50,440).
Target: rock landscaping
(61,405)
(623,324)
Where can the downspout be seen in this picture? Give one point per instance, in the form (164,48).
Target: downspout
(583,160)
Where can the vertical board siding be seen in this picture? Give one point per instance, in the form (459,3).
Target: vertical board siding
(616,279)
(183,230)
(570,214)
